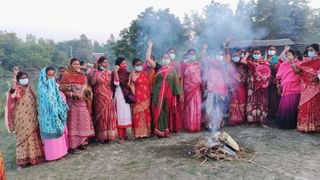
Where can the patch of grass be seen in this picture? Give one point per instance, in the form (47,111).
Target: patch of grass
(7,147)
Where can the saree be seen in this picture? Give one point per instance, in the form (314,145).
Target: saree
(141,120)
(238,74)
(164,102)
(79,121)
(257,83)
(2,169)
(290,96)
(52,118)
(23,120)
(192,96)
(215,97)
(104,108)
(309,107)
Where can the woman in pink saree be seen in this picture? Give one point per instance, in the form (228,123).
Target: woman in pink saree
(289,85)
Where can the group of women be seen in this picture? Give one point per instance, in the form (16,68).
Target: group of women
(160,98)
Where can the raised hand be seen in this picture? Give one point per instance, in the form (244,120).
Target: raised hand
(116,68)
(150,43)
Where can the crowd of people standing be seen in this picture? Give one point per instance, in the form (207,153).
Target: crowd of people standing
(79,105)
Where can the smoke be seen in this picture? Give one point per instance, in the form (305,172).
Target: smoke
(163,28)
(222,24)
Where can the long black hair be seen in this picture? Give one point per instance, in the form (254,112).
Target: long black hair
(119,60)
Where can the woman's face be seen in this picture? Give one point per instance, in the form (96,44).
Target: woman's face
(123,64)
(289,55)
(166,56)
(76,65)
(105,64)
(51,74)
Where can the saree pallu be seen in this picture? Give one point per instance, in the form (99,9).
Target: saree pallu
(164,102)
(141,120)
(237,111)
(192,96)
(2,169)
(104,108)
(309,106)
(29,148)
(79,121)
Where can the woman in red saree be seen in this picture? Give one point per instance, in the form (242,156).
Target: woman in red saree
(141,120)
(166,94)
(309,107)
(238,73)
(103,103)
(22,119)
(258,81)
(74,85)
(192,93)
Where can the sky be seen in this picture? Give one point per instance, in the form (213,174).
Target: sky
(67,19)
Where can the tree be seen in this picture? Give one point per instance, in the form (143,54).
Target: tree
(160,26)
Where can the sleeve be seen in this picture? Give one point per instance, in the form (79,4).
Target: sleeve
(158,67)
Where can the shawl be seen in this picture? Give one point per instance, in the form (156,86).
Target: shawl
(52,108)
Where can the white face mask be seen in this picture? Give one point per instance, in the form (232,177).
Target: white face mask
(236,59)
(219,57)
(271,52)
(172,56)
(138,68)
(24,82)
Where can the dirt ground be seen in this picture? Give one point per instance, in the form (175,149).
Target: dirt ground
(289,154)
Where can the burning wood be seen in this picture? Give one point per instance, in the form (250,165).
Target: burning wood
(219,147)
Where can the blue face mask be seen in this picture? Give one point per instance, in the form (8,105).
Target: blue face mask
(311,54)
(256,56)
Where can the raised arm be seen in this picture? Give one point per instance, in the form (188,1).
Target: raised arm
(244,60)
(150,62)
(283,53)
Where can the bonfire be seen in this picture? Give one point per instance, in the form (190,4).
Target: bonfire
(221,146)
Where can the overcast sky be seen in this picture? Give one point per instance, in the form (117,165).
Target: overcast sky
(67,19)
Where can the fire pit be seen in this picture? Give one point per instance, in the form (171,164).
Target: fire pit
(221,146)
